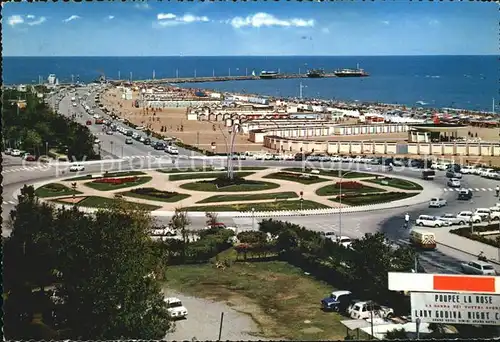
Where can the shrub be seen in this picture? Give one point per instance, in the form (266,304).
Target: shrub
(466,232)
(116,181)
(154,192)
(349,185)
(252,237)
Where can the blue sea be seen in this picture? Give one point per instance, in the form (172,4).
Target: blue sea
(469,82)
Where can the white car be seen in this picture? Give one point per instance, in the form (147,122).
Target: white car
(452,219)
(485,172)
(478,267)
(344,241)
(430,221)
(365,310)
(97,141)
(329,235)
(172,150)
(486,214)
(442,166)
(175,309)
(437,202)
(15,153)
(467,170)
(454,183)
(469,216)
(76,167)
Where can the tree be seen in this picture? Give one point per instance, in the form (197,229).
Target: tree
(179,222)
(212,219)
(396,334)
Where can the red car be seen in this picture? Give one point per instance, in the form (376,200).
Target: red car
(89,122)
(30,158)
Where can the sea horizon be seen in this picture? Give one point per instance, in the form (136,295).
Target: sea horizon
(205,56)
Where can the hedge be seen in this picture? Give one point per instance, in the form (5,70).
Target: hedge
(466,232)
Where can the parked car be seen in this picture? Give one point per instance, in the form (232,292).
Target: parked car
(437,202)
(429,221)
(109,132)
(486,214)
(465,194)
(175,309)
(337,301)
(129,141)
(344,241)
(451,219)
(453,174)
(454,183)
(329,235)
(477,267)
(15,153)
(364,310)
(8,151)
(468,216)
(467,170)
(76,168)
(171,150)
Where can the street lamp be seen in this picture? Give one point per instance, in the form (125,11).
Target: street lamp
(341,176)
(46,148)
(418,321)
(111,145)
(253,218)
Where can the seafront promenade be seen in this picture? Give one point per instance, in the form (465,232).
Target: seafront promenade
(216,79)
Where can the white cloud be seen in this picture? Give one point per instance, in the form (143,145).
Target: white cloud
(30,16)
(386,22)
(71,18)
(143,6)
(267,20)
(38,21)
(325,30)
(434,22)
(110,17)
(170,19)
(14,20)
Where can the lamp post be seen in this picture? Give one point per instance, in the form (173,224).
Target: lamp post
(341,176)
(418,321)
(46,148)
(253,218)
(230,147)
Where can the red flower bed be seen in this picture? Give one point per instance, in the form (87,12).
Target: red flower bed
(116,181)
(349,185)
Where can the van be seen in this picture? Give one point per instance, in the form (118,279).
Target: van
(423,239)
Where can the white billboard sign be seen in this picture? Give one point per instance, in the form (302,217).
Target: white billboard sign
(455,308)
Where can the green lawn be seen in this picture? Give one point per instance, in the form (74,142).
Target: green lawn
(280,298)
(55,189)
(396,183)
(109,187)
(209,169)
(156,195)
(249,197)
(375,198)
(333,189)
(332,173)
(247,186)
(261,206)
(103,202)
(109,174)
(295,177)
(179,177)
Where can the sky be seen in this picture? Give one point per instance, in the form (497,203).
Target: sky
(250,28)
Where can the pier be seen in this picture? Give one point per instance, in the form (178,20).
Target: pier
(219,79)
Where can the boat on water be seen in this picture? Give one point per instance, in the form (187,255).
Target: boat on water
(268,74)
(315,73)
(351,72)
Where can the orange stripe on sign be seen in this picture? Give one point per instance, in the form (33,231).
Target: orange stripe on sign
(472,284)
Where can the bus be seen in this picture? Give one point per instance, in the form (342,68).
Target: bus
(428,174)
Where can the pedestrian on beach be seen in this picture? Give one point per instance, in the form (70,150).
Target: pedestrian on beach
(497,190)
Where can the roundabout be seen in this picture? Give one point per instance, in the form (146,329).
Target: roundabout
(291,192)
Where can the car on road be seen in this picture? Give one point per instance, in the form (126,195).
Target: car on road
(129,141)
(453,174)
(171,150)
(465,194)
(88,122)
(436,202)
(468,216)
(454,183)
(76,168)
(15,153)
(329,235)
(477,267)
(430,221)
(175,308)
(109,132)
(147,141)
(365,310)
(337,301)
(97,141)
(452,219)
(467,170)
(344,241)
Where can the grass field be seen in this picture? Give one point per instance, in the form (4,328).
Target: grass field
(261,206)
(55,189)
(248,186)
(396,183)
(375,198)
(332,173)
(109,174)
(201,175)
(333,190)
(281,299)
(109,187)
(209,169)
(175,197)
(104,202)
(295,177)
(249,197)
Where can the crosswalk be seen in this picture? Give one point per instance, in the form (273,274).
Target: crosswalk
(470,189)
(147,157)
(27,168)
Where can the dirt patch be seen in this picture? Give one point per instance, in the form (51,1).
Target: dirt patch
(72,200)
(312,330)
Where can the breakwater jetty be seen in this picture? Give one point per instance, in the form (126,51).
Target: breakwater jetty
(217,79)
